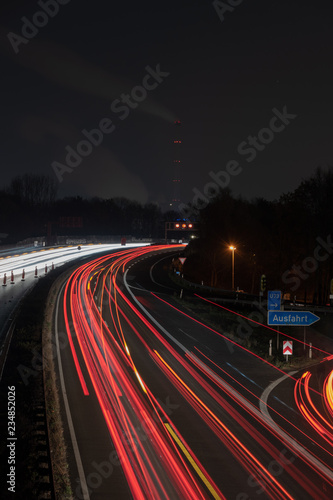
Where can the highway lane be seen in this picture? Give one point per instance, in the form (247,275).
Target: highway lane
(248,373)
(144,445)
(86,432)
(21,269)
(173,416)
(28,260)
(284,401)
(133,428)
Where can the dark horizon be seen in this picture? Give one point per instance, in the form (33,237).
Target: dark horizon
(131,70)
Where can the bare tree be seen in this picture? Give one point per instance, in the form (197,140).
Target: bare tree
(34,189)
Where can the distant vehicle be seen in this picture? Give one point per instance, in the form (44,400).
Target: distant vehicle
(79,247)
(123,241)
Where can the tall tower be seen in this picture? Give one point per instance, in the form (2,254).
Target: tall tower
(176,166)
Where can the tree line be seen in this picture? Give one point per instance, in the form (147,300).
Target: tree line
(30,208)
(289,240)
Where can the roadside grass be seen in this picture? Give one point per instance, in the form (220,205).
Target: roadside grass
(58,449)
(247,334)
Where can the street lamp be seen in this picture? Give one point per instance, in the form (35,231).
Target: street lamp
(232,248)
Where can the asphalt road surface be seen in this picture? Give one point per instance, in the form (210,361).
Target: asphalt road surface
(157,405)
(20,270)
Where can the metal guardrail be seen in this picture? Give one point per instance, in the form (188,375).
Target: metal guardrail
(245,298)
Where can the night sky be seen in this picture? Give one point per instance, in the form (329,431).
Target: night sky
(221,73)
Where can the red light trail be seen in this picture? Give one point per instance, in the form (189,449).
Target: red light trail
(101,323)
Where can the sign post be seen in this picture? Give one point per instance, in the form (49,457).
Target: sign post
(274,304)
(277,317)
(331,291)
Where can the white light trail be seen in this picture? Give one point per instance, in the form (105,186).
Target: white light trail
(57,256)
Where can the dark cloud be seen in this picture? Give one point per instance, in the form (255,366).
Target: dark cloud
(224,80)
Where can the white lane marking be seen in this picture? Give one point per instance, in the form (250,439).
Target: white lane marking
(151,273)
(188,335)
(264,415)
(183,348)
(78,460)
(139,288)
(8,338)
(291,442)
(245,376)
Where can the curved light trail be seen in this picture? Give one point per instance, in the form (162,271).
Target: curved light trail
(122,394)
(48,256)
(101,323)
(321,423)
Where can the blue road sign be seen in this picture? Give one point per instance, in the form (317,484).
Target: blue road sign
(274,300)
(291,318)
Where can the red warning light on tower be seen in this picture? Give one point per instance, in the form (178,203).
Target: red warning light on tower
(181,226)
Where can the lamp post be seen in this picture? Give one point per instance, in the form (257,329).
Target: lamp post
(232,248)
